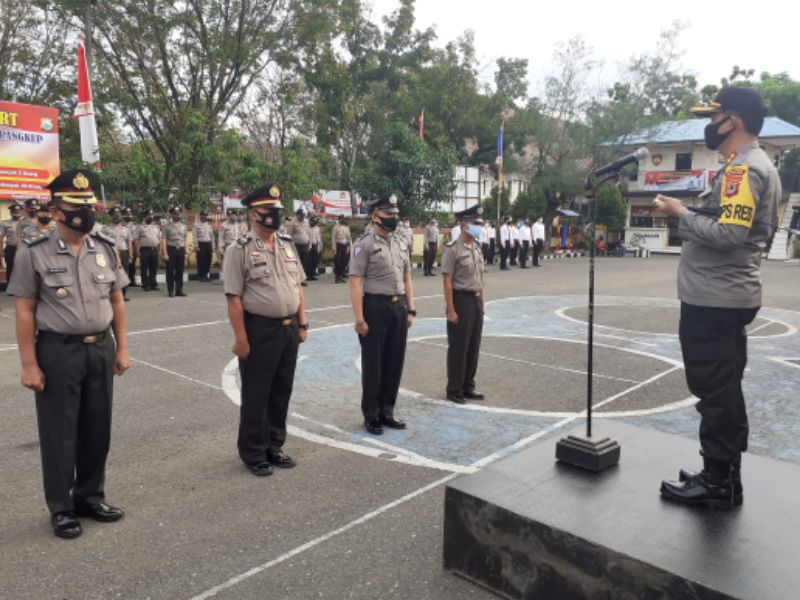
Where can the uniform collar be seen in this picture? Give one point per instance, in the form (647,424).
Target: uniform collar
(90,246)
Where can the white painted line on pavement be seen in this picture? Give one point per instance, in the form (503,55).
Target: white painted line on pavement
(177,327)
(176,374)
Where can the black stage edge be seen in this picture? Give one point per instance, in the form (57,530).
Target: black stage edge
(530,527)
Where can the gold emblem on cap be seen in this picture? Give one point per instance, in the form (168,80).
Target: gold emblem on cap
(275,191)
(61,293)
(100,259)
(80,182)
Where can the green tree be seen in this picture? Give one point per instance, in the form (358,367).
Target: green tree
(611,209)
(530,204)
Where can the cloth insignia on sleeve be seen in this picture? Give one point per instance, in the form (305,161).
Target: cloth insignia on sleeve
(356,249)
(737,205)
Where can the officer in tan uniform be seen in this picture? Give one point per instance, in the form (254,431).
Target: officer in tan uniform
(299,229)
(341,240)
(146,243)
(315,248)
(462,268)
(382,297)
(10,236)
(31,210)
(173,251)
(118,232)
(127,221)
(266,308)
(43,225)
(203,237)
(68,288)
(431,239)
(229,231)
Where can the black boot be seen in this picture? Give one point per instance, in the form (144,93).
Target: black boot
(711,488)
(736,479)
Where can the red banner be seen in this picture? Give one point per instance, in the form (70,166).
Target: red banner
(663,181)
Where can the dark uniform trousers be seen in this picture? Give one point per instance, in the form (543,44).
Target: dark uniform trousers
(302,255)
(513,253)
(204,251)
(9,253)
(340,260)
(267,379)
(523,253)
(124,264)
(312,272)
(430,257)
(132,269)
(485,252)
(74,416)
(383,352)
(714,345)
(537,251)
(504,251)
(176,258)
(149,266)
(490,252)
(464,342)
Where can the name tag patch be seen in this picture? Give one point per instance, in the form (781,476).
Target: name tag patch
(57,270)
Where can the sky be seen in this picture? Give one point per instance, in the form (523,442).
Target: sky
(719,35)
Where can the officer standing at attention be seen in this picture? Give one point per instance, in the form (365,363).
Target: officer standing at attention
(266,308)
(122,241)
(173,251)
(31,210)
(382,296)
(146,242)
(537,232)
(462,267)
(229,231)
(719,286)
(315,248)
(505,243)
(431,238)
(203,237)
(10,235)
(301,236)
(68,289)
(127,221)
(43,225)
(408,235)
(341,240)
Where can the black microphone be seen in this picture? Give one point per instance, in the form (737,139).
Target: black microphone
(617,165)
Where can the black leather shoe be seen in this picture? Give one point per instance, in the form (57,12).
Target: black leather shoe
(155,289)
(457,398)
(711,488)
(170,294)
(66,525)
(100,511)
(261,469)
(181,293)
(736,479)
(473,395)
(392,423)
(280,460)
(374,427)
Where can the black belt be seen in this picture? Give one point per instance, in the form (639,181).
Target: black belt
(283,321)
(467,293)
(91,338)
(393,299)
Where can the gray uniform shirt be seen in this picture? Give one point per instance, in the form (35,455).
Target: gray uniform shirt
(268,282)
(381,261)
(202,232)
(32,231)
(315,238)
(229,233)
(431,234)
(721,258)
(120,234)
(10,232)
(465,264)
(299,230)
(341,235)
(72,291)
(175,234)
(148,235)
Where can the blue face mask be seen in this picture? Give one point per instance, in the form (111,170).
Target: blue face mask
(475,231)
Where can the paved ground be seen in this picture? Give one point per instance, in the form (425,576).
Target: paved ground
(360,517)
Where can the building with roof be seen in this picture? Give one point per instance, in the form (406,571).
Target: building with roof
(680,165)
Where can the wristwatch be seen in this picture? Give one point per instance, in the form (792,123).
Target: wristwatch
(304,326)
(412,312)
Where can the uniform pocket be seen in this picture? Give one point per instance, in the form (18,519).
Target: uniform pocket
(260,272)
(104,282)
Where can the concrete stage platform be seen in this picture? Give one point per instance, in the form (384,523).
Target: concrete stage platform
(528,527)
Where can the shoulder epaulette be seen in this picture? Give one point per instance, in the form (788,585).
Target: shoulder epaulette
(36,239)
(451,243)
(285,236)
(102,236)
(242,241)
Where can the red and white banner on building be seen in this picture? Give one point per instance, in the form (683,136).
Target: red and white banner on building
(665,181)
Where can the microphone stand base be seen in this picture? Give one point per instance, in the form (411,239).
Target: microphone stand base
(591,454)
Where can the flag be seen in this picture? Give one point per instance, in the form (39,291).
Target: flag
(421,121)
(84,111)
(500,143)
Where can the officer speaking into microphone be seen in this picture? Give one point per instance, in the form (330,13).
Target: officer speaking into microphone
(266,308)
(382,297)
(463,269)
(719,286)
(68,287)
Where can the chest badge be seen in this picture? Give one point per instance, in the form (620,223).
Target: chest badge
(100,259)
(61,293)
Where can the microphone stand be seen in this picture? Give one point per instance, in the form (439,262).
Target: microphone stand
(587,452)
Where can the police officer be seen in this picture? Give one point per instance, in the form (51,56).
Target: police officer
(341,240)
(537,233)
(431,239)
(146,243)
(173,251)
(68,289)
(505,243)
(719,287)
(203,237)
(266,308)
(9,238)
(383,304)
(462,268)
(127,220)
(315,248)
(28,221)
(118,232)
(407,232)
(43,223)
(230,231)
(301,236)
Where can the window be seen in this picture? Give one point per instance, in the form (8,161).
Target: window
(683,162)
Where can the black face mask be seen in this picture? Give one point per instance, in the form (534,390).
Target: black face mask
(115,220)
(128,219)
(714,139)
(148,220)
(176,219)
(387,223)
(81,220)
(31,213)
(15,217)
(270,219)
(45,220)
